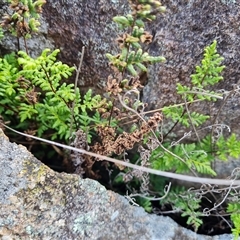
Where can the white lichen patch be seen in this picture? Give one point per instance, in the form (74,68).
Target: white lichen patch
(228,2)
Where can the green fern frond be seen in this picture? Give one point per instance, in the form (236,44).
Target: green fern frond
(234,210)
(209,71)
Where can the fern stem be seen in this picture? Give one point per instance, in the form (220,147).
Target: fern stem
(75,90)
(49,81)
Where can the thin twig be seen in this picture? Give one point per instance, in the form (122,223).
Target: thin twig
(205,94)
(208,211)
(75,89)
(221,107)
(153,198)
(140,168)
(190,118)
(160,109)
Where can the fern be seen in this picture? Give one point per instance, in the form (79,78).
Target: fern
(187,204)
(8,92)
(193,156)
(145,203)
(190,206)
(197,156)
(132,57)
(209,71)
(32,90)
(207,74)
(228,147)
(44,68)
(234,210)
(175,113)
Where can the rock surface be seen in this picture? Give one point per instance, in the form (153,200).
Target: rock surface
(186,29)
(38,203)
(180,35)
(74,24)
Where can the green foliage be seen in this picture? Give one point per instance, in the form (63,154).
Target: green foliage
(132,56)
(176,114)
(209,71)
(207,74)
(23,20)
(186,203)
(145,203)
(189,205)
(234,210)
(200,155)
(193,156)
(228,147)
(8,84)
(32,90)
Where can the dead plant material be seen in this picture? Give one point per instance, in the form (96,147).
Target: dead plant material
(111,143)
(135,83)
(113,86)
(146,38)
(32,96)
(82,163)
(24,83)
(30,132)
(121,40)
(187,178)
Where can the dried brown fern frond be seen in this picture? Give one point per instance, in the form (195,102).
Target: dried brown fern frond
(113,143)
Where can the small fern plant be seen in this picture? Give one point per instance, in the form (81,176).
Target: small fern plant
(33,96)
(196,157)
(206,75)
(22,19)
(234,210)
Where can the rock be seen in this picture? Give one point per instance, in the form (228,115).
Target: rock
(180,36)
(38,203)
(74,24)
